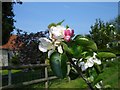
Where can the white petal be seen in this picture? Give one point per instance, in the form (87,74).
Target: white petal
(98,85)
(45,44)
(90,62)
(81,63)
(83,66)
(43,49)
(74,59)
(97,61)
(86,66)
(50,52)
(94,55)
(80,59)
(60,50)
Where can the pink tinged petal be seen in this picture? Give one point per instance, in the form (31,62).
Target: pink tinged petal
(72,32)
(67,32)
(67,38)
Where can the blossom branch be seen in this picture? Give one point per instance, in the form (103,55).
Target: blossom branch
(79,71)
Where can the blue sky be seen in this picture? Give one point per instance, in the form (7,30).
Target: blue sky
(36,16)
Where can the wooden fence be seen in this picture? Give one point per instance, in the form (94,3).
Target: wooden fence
(9,68)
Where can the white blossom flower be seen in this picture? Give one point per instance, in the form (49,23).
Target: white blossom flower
(45,44)
(56,32)
(90,62)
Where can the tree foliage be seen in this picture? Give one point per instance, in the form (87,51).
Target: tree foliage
(27,44)
(103,33)
(7,20)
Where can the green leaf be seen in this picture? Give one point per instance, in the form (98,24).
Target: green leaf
(67,26)
(66,48)
(73,49)
(85,43)
(64,60)
(58,64)
(59,23)
(106,55)
(76,50)
(52,24)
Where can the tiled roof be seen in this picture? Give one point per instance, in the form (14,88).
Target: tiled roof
(10,44)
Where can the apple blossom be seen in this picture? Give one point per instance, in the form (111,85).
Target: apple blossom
(90,61)
(67,34)
(45,44)
(56,32)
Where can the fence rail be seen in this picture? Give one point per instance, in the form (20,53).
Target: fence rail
(23,66)
(30,82)
(46,79)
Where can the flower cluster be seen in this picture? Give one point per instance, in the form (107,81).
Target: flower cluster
(57,34)
(89,63)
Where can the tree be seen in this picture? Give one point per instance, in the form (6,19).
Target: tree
(7,20)
(102,33)
(27,47)
(116,23)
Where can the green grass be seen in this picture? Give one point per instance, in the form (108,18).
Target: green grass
(5,72)
(61,83)
(78,83)
(110,76)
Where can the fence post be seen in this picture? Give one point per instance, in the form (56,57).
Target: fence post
(9,71)
(46,75)
(9,77)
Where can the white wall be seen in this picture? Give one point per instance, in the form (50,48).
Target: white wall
(3,57)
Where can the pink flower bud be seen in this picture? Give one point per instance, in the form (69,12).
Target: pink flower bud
(67,34)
